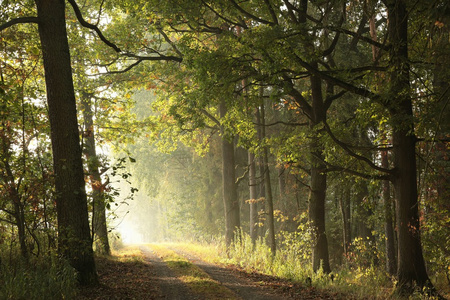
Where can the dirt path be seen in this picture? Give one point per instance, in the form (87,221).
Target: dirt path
(170,287)
(138,272)
(243,287)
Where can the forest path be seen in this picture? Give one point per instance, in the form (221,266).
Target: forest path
(174,271)
(241,287)
(170,286)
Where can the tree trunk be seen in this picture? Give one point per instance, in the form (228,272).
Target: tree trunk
(74,238)
(344,203)
(262,186)
(364,213)
(318,184)
(268,185)
(99,227)
(253,197)
(316,209)
(230,199)
(391,263)
(411,265)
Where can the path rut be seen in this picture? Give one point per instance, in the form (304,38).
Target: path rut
(243,287)
(170,287)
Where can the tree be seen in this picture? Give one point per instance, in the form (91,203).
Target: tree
(99,226)
(73,226)
(230,197)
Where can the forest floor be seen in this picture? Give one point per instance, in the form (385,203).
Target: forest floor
(171,272)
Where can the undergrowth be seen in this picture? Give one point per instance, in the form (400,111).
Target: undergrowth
(43,278)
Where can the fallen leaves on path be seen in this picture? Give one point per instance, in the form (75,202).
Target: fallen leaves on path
(122,280)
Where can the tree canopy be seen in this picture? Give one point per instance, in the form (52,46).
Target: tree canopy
(324,119)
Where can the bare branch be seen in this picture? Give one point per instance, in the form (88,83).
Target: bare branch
(154,58)
(360,36)
(347,149)
(329,100)
(336,81)
(333,168)
(272,12)
(169,41)
(242,24)
(84,23)
(246,13)
(281,122)
(23,20)
(124,70)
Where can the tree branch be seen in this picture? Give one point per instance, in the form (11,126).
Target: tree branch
(83,22)
(281,122)
(211,117)
(345,85)
(298,97)
(359,36)
(124,70)
(333,168)
(243,25)
(329,100)
(347,149)
(246,13)
(272,12)
(23,20)
(169,41)
(154,58)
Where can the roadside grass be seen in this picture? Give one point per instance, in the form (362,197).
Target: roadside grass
(40,278)
(292,262)
(129,253)
(191,275)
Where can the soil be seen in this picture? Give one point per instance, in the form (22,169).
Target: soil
(152,279)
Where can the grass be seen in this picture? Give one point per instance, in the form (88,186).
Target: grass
(43,278)
(191,275)
(128,254)
(291,263)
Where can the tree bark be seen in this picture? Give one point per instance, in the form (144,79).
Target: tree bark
(344,203)
(99,226)
(391,263)
(411,268)
(230,198)
(75,243)
(253,197)
(268,185)
(318,183)
(262,186)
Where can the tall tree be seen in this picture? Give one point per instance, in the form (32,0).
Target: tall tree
(230,197)
(75,242)
(253,197)
(73,226)
(99,226)
(411,264)
(267,183)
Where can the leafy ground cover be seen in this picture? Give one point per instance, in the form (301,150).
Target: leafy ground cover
(125,275)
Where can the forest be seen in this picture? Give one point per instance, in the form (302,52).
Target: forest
(302,145)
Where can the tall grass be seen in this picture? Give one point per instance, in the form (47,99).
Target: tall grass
(43,278)
(292,261)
